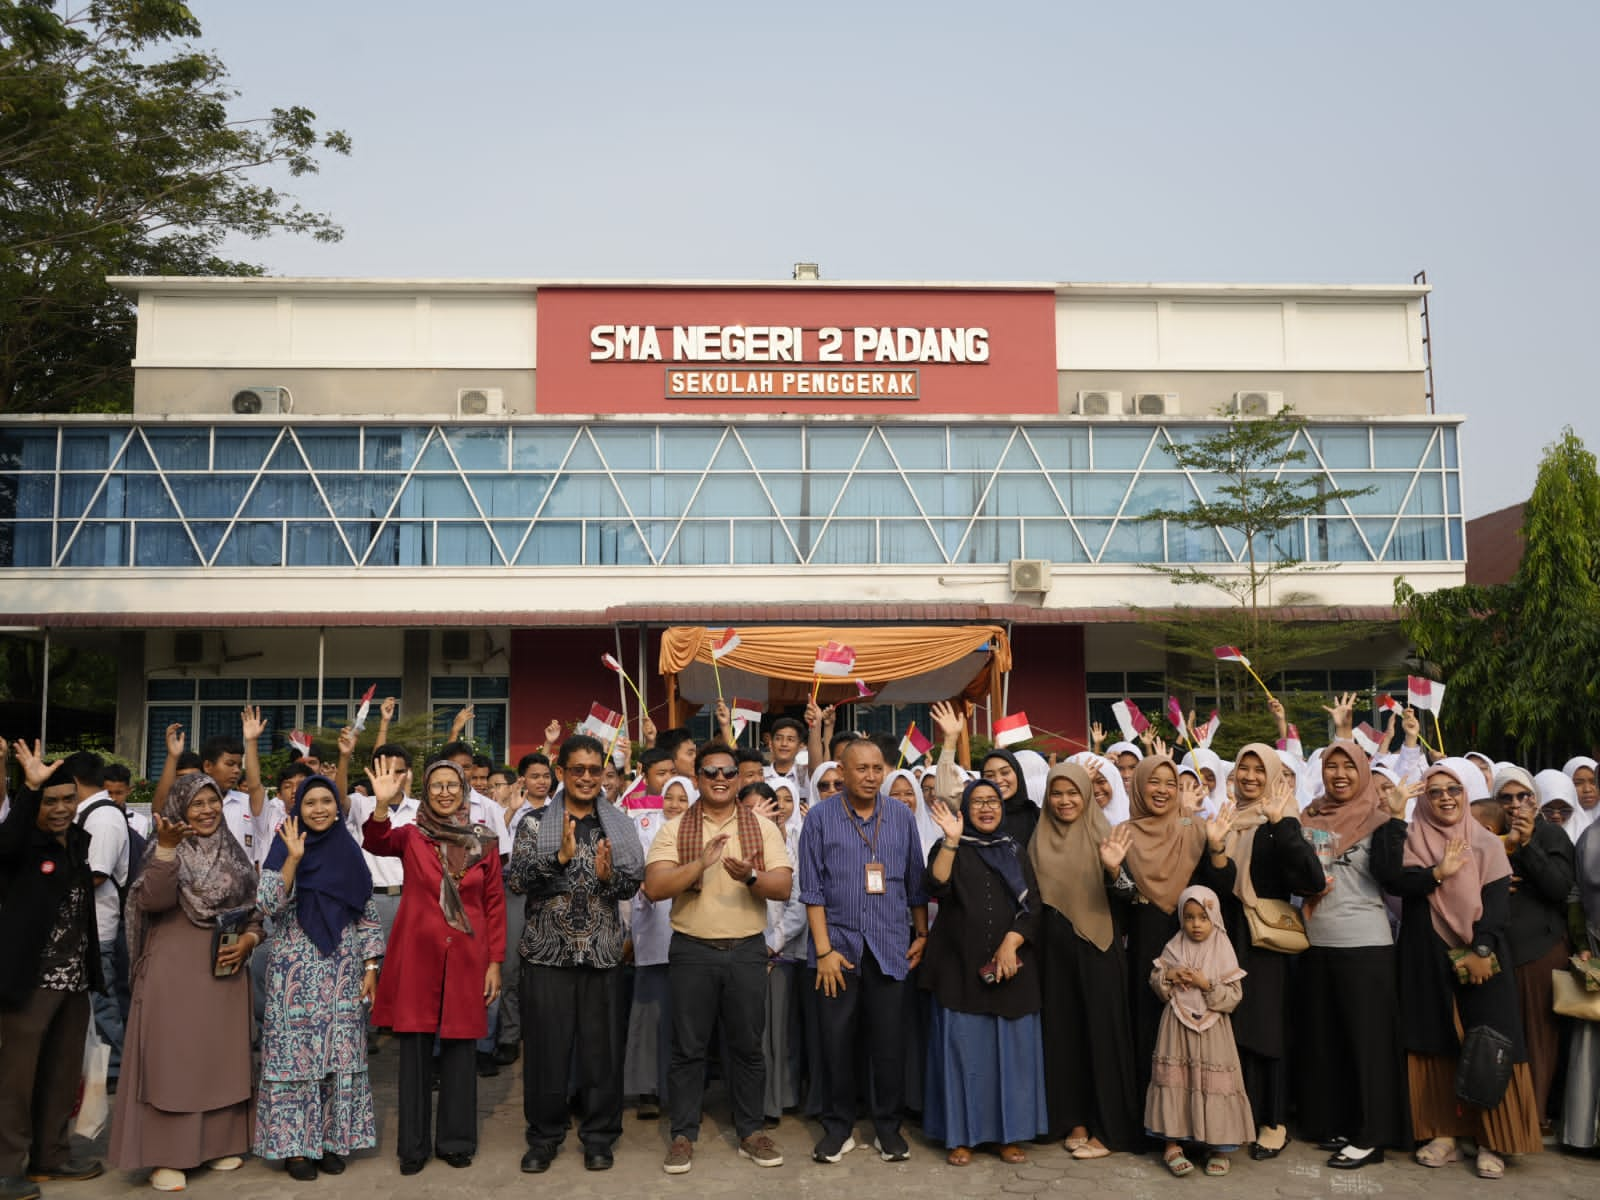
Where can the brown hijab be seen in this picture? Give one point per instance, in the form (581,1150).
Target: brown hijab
(1248,816)
(1066,859)
(1352,821)
(1457,903)
(1214,958)
(1165,849)
(460,843)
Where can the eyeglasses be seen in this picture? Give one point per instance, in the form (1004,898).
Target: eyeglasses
(1455,792)
(836,785)
(719,772)
(448,787)
(580,770)
(985,802)
(1516,797)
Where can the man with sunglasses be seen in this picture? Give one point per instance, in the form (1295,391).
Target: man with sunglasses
(719,864)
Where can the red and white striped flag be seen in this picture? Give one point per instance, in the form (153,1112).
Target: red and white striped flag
(601,723)
(725,645)
(1424,693)
(1206,732)
(835,658)
(1008,731)
(300,741)
(610,663)
(1231,654)
(863,692)
(747,711)
(1292,743)
(360,722)
(1367,737)
(1131,721)
(1175,715)
(913,746)
(1387,703)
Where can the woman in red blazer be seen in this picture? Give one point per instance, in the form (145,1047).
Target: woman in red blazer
(441,968)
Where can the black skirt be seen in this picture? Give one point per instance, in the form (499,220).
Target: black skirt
(1149,931)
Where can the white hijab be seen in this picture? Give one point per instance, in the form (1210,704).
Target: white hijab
(927,831)
(1200,758)
(1035,773)
(1116,809)
(1551,785)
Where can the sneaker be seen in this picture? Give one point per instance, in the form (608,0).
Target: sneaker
(891,1147)
(229,1162)
(15,1187)
(680,1157)
(832,1148)
(167,1179)
(761,1150)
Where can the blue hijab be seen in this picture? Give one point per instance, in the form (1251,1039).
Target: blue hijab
(998,851)
(333,883)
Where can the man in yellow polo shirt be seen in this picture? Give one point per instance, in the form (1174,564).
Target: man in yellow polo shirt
(719,863)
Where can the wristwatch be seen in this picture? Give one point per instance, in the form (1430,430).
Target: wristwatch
(751,880)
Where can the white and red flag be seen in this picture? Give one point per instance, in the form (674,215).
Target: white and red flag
(1231,654)
(1424,693)
(1129,719)
(1008,731)
(360,722)
(301,741)
(1388,704)
(1206,732)
(601,723)
(863,692)
(725,644)
(1175,715)
(1292,743)
(913,746)
(1367,737)
(610,663)
(835,658)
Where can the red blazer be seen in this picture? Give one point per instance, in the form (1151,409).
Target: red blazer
(432,979)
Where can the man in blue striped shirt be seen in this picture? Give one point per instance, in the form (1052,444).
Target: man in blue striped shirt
(861,880)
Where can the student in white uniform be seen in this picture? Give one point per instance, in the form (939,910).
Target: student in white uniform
(103,820)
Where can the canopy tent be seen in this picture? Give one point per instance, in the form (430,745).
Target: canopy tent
(900,663)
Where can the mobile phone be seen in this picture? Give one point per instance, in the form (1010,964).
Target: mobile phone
(218,969)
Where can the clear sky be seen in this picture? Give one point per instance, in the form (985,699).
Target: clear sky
(1175,141)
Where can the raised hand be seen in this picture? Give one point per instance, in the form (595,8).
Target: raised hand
(647,731)
(552,732)
(1115,849)
(35,770)
(171,834)
(1398,798)
(1159,747)
(947,819)
(1283,802)
(1389,730)
(1217,827)
(1343,713)
(1411,726)
(387,778)
(569,842)
(294,838)
(1097,736)
(175,740)
(251,724)
(724,714)
(947,720)
(1147,738)
(386,710)
(1191,794)
(347,741)
(602,860)
(813,714)
(1455,857)
(763,807)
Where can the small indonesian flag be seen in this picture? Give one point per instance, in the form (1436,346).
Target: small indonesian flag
(727,642)
(747,711)
(1129,719)
(1387,703)
(1424,693)
(863,692)
(366,707)
(913,746)
(601,723)
(1175,715)
(835,658)
(300,741)
(1008,731)
(610,663)
(1206,732)
(1231,654)
(1367,737)
(1292,743)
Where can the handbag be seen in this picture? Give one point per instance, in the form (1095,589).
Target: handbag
(1484,1070)
(1276,925)
(1572,999)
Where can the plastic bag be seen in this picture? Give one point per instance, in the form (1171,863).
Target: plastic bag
(94,1106)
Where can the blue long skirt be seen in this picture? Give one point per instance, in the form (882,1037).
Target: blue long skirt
(984,1079)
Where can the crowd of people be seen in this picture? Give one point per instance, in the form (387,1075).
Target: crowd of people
(1121,951)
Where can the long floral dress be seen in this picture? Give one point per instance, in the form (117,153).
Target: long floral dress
(314,1094)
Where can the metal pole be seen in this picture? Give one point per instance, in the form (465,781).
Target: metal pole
(322,647)
(44,695)
(622,686)
(643,678)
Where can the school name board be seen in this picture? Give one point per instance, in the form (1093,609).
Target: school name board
(794,350)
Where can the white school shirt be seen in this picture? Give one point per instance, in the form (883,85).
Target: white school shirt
(108,855)
(254,833)
(386,872)
(486,812)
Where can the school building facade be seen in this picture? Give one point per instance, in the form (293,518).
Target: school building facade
(468,490)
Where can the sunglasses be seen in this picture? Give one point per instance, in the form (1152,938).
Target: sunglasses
(835,786)
(719,772)
(1516,797)
(580,770)
(1455,793)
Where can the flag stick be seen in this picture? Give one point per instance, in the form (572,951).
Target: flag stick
(1259,680)
(1438,732)
(718,673)
(816,682)
(615,738)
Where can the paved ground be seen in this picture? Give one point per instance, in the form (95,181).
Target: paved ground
(1298,1174)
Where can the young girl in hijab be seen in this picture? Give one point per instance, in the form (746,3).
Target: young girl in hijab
(1196,1090)
(315,1101)
(196,883)
(1110,793)
(1455,961)
(441,968)
(1088,1042)
(1349,1075)
(984,1081)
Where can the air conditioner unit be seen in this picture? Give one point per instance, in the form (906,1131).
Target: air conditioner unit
(480,402)
(1098,404)
(1257,404)
(1030,575)
(262,401)
(189,648)
(1153,404)
(455,645)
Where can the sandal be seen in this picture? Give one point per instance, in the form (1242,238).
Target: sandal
(1179,1165)
(1014,1154)
(1090,1149)
(1490,1165)
(959,1156)
(1438,1153)
(1072,1145)
(1217,1165)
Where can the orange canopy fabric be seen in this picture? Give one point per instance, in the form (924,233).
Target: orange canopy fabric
(785,654)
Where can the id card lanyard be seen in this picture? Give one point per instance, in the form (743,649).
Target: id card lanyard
(877,883)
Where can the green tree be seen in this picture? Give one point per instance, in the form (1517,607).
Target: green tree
(1518,659)
(119,156)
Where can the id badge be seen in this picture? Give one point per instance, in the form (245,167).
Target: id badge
(875,879)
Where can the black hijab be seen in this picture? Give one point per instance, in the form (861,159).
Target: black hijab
(1021,814)
(998,851)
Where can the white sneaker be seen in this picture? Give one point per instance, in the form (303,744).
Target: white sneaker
(230,1162)
(822,1156)
(168,1179)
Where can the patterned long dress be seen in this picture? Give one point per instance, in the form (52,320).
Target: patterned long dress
(314,1094)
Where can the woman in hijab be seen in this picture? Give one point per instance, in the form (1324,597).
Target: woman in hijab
(1349,1076)
(1161,848)
(441,969)
(315,1102)
(1585,775)
(1035,770)
(984,1081)
(1544,874)
(1558,803)
(1003,769)
(1454,955)
(1088,1041)
(1580,1114)
(1110,794)
(1124,757)
(1213,772)
(191,925)
(1265,857)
